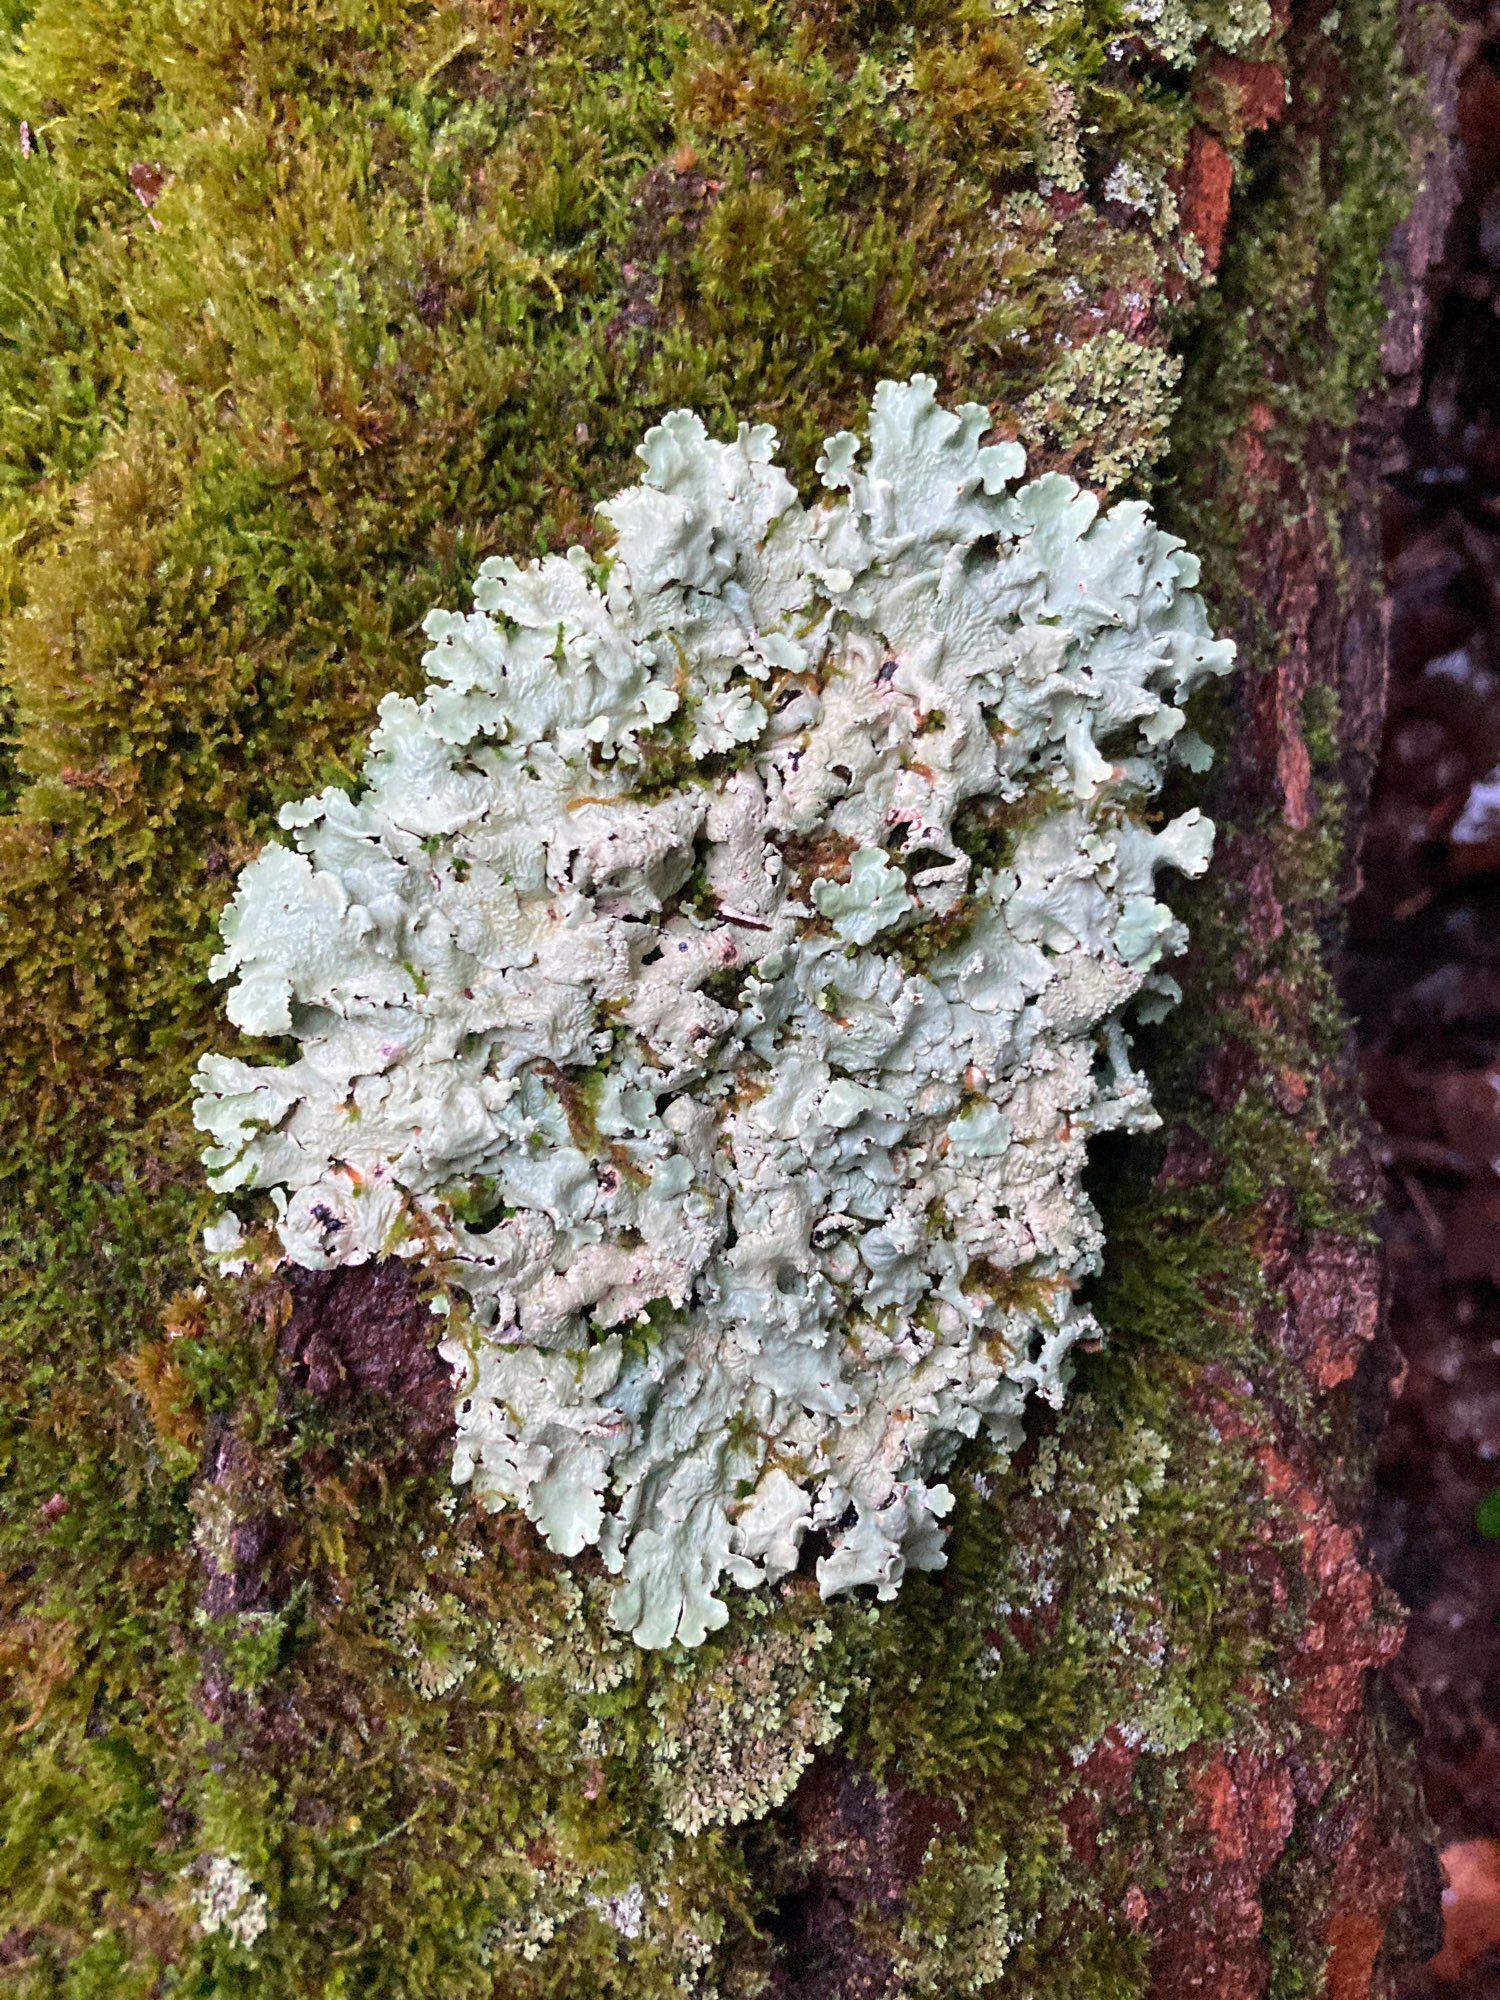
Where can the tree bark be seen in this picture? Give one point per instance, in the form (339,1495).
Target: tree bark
(296,371)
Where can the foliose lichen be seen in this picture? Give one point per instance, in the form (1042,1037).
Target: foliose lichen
(716,980)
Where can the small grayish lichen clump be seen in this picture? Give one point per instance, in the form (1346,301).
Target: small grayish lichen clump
(717,978)
(731,1743)
(227,1900)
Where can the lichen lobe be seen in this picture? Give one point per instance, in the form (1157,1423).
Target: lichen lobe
(655,991)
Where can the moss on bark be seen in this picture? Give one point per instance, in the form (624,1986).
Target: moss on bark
(307,308)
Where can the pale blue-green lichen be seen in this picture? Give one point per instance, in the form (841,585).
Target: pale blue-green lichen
(717,979)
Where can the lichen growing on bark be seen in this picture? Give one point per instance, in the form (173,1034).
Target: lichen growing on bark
(671,928)
(310,309)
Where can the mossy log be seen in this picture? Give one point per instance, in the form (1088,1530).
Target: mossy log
(305,308)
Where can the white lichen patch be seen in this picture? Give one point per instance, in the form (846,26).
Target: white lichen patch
(1060,161)
(565,1642)
(228,1901)
(625,1911)
(718,977)
(1149,194)
(434,1639)
(1176,30)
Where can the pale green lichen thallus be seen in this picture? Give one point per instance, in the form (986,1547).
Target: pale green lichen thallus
(717,977)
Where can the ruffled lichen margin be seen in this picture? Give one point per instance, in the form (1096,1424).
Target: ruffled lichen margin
(307,310)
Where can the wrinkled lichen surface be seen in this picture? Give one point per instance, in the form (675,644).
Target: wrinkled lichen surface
(772,1046)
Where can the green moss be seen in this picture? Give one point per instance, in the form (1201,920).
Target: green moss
(1320,726)
(303,311)
(1294,1970)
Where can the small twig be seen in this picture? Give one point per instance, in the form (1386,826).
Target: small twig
(1416,1194)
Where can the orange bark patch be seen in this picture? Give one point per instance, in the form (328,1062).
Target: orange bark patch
(1471,1906)
(1207,183)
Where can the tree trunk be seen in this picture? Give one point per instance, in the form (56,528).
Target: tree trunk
(310,309)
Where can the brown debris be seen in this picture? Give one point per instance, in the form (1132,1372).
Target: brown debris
(1258,89)
(1207,184)
(1471,1909)
(1244,1808)
(672,202)
(1333,1307)
(146,182)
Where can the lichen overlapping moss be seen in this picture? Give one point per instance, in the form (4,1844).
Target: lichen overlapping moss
(306,308)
